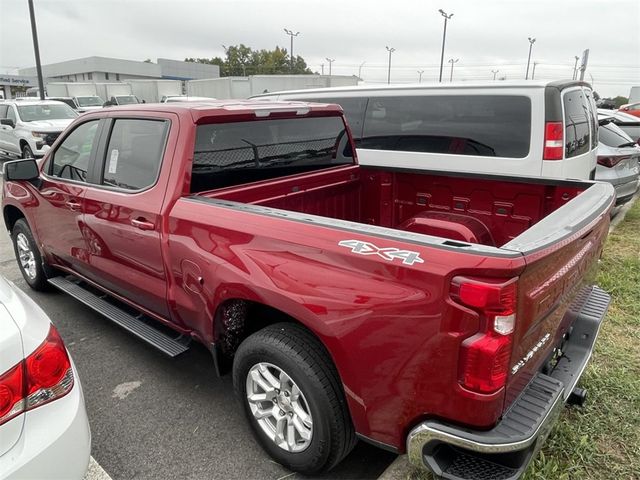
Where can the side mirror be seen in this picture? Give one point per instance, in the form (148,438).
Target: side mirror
(26,169)
(8,122)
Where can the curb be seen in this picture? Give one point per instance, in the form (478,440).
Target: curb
(400,468)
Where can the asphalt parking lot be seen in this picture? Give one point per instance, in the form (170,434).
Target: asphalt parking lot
(156,417)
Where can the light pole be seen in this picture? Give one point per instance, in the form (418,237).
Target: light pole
(330,60)
(390,50)
(36,49)
(575,68)
(533,74)
(444,37)
(291,34)
(322,67)
(495,72)
(360,69)
(452,62)
(531,42)
(420,72)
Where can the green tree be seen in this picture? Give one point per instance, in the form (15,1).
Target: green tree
(243,60)
(619,100)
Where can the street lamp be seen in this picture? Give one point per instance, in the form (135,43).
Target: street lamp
(291,34)
(390,50)
(575,68)
(495,72)
(360,69)
(531,42)
(444,37)
(452,62)
(533,74)
(330,60)
(420,72)
(36,49)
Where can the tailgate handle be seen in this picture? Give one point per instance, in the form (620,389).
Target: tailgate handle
(142,224)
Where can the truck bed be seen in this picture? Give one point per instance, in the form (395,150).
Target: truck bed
(473,209)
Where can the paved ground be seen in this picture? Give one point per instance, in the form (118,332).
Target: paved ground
(154,417)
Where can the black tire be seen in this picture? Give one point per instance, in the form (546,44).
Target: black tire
(26,151)
(39,280)
(297,352)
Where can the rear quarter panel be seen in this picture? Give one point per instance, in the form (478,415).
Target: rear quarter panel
(389,327)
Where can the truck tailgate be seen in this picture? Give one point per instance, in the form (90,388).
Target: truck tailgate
(561,252)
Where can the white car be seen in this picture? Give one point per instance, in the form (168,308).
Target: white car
(523,128)
(184,98)
(44,431)
(28,128)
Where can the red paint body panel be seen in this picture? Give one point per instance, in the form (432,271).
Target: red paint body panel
(391,328)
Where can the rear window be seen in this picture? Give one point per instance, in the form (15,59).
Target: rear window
(474,125)
(576,123)
(612,135)
(228,154)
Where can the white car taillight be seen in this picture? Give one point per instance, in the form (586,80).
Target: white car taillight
(42,377)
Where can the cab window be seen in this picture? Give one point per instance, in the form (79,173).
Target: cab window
(134,153)
(71,158)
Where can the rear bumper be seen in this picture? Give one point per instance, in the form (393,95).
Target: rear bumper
(505,451)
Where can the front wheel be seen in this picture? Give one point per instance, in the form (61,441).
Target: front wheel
(28,256)
(292,398)
(26,151)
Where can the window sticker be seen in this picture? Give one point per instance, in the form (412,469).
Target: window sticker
(113,161)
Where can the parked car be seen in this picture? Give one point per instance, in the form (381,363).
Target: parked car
(627,123)
(44,431)
(122,100)
(631,109)
(29,127)
(528,128)
(618,157)
(445,314)
(184,98)
(81,104)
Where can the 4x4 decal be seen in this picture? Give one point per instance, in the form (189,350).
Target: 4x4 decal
(387,253)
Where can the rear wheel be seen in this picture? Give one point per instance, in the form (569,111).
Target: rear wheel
(292,398)
(26,151)
(28,256)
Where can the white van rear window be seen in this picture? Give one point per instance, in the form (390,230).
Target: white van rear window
(475,125)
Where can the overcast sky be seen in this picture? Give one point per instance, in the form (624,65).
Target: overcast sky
(484,35)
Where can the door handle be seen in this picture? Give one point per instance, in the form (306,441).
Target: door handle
(74,206)
(142,224)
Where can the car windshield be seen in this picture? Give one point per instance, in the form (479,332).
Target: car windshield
(126,100)
(89,101)
(48,111)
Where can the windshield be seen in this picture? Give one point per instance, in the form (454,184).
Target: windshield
(612,136)
(89,101)
(126,100)
(49,111)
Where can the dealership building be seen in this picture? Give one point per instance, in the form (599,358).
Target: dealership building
(105,69)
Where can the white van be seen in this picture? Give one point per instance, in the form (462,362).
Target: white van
(528,128)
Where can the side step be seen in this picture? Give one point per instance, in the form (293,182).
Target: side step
(136,326)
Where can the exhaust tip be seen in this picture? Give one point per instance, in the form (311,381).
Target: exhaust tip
(578,397)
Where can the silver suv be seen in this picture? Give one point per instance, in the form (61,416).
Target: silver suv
(29,127)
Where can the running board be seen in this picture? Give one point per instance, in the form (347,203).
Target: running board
(154,337)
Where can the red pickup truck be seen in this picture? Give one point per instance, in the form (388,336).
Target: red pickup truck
(448,315)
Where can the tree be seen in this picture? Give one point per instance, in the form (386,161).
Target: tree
(596,97)
(619,101)
(243,60)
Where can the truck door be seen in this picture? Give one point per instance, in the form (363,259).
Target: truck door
(64,182)
(123,211)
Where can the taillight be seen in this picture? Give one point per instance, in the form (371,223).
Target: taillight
(484,357)
(42,377)
(553,141)
(611,160)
